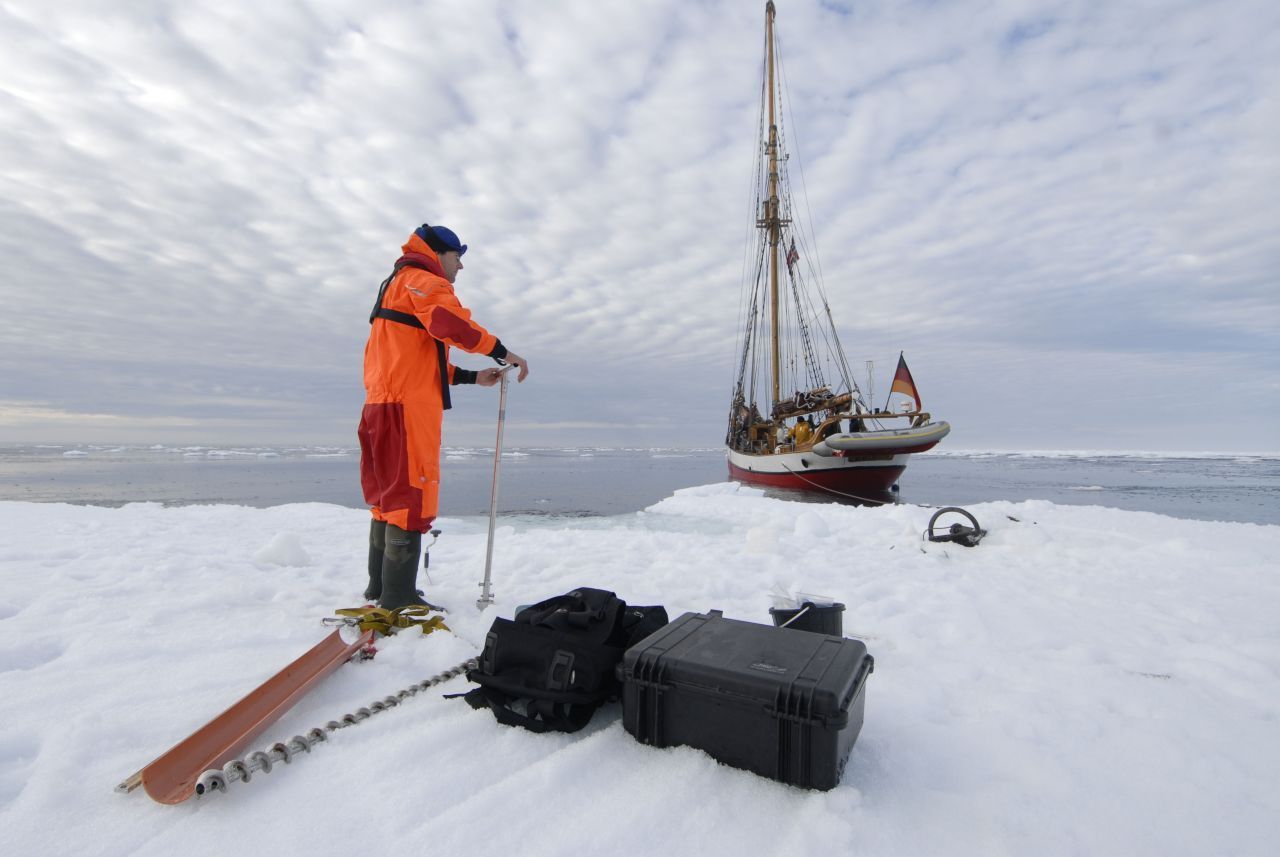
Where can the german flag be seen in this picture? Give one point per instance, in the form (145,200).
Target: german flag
(903,383)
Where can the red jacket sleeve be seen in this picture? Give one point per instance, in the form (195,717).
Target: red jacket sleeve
(444,316)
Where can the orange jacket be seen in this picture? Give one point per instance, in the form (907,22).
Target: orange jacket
(404,394)
(402,363)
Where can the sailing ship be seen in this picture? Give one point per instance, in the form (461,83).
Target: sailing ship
(789,426)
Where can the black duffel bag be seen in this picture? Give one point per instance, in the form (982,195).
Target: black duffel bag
(553,665)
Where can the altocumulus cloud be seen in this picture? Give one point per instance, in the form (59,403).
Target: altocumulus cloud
(1064,212)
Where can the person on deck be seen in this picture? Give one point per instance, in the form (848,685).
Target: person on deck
(803,431)
(407,375)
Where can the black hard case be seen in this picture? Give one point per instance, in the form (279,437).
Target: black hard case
(783,703)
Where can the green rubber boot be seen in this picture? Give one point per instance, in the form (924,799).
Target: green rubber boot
(400,569)
(377,544)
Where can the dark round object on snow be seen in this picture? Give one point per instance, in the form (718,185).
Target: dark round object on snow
(958,533)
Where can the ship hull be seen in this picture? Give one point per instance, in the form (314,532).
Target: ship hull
(862,477)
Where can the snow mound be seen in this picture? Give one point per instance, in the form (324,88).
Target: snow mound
(284,549)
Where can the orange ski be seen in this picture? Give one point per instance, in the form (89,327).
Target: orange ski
(172,777)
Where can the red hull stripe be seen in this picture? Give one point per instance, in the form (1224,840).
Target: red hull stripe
(870,479)
(855,454)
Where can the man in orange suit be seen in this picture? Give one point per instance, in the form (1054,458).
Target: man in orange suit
(407,375)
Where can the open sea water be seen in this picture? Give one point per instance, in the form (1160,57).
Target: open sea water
(596,481)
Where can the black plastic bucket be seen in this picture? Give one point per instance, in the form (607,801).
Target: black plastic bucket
(818,618)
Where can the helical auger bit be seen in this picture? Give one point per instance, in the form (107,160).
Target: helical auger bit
(263,761)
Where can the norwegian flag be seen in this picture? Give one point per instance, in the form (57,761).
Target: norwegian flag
(793,255)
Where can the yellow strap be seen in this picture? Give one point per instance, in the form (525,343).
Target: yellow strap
(389,621)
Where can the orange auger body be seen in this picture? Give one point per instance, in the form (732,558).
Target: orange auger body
(404,401)
(172,777)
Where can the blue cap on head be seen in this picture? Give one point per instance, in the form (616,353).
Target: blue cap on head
(440,238)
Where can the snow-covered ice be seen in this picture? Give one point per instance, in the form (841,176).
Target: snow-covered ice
(1086,681)
(283,549)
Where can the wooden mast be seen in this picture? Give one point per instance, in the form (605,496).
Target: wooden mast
(771,213)
(759,449)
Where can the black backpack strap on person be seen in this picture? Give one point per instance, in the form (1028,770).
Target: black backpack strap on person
(554,664)
(379,311)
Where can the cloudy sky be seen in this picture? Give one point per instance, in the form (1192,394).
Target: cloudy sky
(1067,214)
